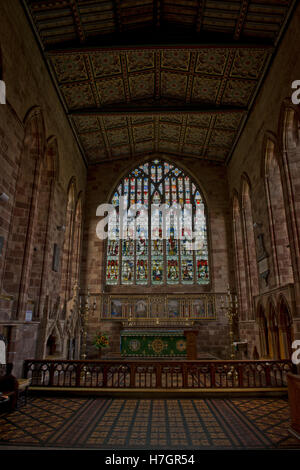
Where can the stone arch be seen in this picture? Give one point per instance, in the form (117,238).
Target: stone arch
(168,159)
(196,269)
(240,258)
(250,246)
(282,262)
(35,133)
(288,126)
(262,321)
(43,228)
(54,343)
(289,134)
(20,244)
(66,262)
(285,328)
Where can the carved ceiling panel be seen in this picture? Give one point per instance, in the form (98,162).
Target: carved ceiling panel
(171,76)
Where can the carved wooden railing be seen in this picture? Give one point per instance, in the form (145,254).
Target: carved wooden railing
(116,374)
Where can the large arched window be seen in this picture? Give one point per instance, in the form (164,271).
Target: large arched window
(164,213)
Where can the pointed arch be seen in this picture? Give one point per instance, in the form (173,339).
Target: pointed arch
(282,263)
(289,134)
(285,324)
(54,343)
(157,257)
(25,212)
(39,268)
(35,132)
(288,126)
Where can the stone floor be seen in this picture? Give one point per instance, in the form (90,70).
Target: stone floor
(71,422)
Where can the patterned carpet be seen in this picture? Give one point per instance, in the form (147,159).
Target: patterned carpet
(241,423)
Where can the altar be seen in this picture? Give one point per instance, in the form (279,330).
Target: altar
(153,343)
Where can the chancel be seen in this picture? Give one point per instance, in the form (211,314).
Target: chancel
(150,218)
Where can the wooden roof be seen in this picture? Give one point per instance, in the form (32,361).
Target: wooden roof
(138,77)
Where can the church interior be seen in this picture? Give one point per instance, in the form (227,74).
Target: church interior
(140,340)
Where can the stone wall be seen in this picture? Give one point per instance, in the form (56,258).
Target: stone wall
(102,179)
(268,152)
(39,156)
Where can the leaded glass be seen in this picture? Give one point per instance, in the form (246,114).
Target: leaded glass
(173,271)
(112,271)
(175,253)
(187,270)
(142,271)
(157,271)
(127,271)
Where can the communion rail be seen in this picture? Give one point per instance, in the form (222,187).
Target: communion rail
(116,374)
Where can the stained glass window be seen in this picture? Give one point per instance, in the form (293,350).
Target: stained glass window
(153,247)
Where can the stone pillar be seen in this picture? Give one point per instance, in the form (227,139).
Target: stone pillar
(191,344)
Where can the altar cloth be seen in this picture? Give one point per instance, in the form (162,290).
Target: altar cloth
(153,344)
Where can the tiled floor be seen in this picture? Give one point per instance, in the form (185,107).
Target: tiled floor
(144,423)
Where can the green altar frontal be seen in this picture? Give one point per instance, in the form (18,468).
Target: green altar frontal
(153,344)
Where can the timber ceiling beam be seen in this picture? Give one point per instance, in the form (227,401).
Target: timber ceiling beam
(161,41)
(135,110)
(241,19)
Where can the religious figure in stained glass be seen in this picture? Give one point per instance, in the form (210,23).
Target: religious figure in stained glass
(187,271)
(148,254)
(173,272)
(127,271)
(112,273)
(157,271)
(142,271)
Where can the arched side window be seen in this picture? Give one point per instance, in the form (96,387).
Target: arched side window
(277,218)
(40,235)
(17,268)
(250,251)
(156,250)
(66,264)
(240,260)
(291,171)
(77,242)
